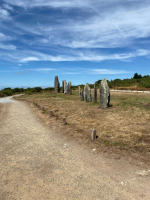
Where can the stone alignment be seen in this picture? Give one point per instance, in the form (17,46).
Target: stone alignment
(104,94)
(87,93)
(69,88)
(95,92)
(57,85)
(63,86)
(79,91)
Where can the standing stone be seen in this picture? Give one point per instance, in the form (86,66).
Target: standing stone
(65,87)
(104,94)
(87,93)
(62,86)
(82,95)
(79,91)
(95,92)
(69,88)
(57,85)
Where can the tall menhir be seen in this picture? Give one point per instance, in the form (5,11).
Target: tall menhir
(57,85)
(104,94)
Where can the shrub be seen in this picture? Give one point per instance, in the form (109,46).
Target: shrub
(2,94)
(28,92)
(7,92)
(147,85)
(36,89)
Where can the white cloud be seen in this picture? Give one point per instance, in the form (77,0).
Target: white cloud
(8,7)
(113,29)
(7,47)
(106,71)
(45,3)
(4,37)
(27,59)
(4,14)
(143,52)
(28,56)
(42,69)
(115,26)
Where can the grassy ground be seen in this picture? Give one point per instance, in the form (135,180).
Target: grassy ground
(125,124)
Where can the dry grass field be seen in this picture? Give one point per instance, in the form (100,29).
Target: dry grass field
(124,125)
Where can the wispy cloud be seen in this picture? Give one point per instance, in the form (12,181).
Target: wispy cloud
(8,7)
(4,14)
(7,47)
(42,69)
(100,26)
(54,3)
(94,56)
(118,26)
(106,71)
(27,59)
(4,37)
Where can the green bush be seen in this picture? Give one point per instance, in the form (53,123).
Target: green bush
(147,85)
(36,89)
(2,94)
(7,92)
(49,89)
(17,90)
(28,92)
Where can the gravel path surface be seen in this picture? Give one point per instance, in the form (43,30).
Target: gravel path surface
(37,163)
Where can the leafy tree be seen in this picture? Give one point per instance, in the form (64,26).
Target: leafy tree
(137,76)
(36,89)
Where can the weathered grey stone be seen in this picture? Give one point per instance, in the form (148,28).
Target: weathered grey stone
(79,91)
(95,92)
(57,85)
(104,94)
(69,88)
(82,95)
(87,93)
(65,87)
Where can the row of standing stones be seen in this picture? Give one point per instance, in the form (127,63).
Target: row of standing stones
(65,88)
(85,94)
(104,90)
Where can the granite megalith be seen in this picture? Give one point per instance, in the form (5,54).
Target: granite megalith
(87,93)
(95,92)
(82,95)
(65,87)
(69,88)
(104,94)
(57,85)
(79,91)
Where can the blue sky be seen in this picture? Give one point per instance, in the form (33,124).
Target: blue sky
(78,41)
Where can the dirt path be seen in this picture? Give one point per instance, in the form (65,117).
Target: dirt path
(37,163)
